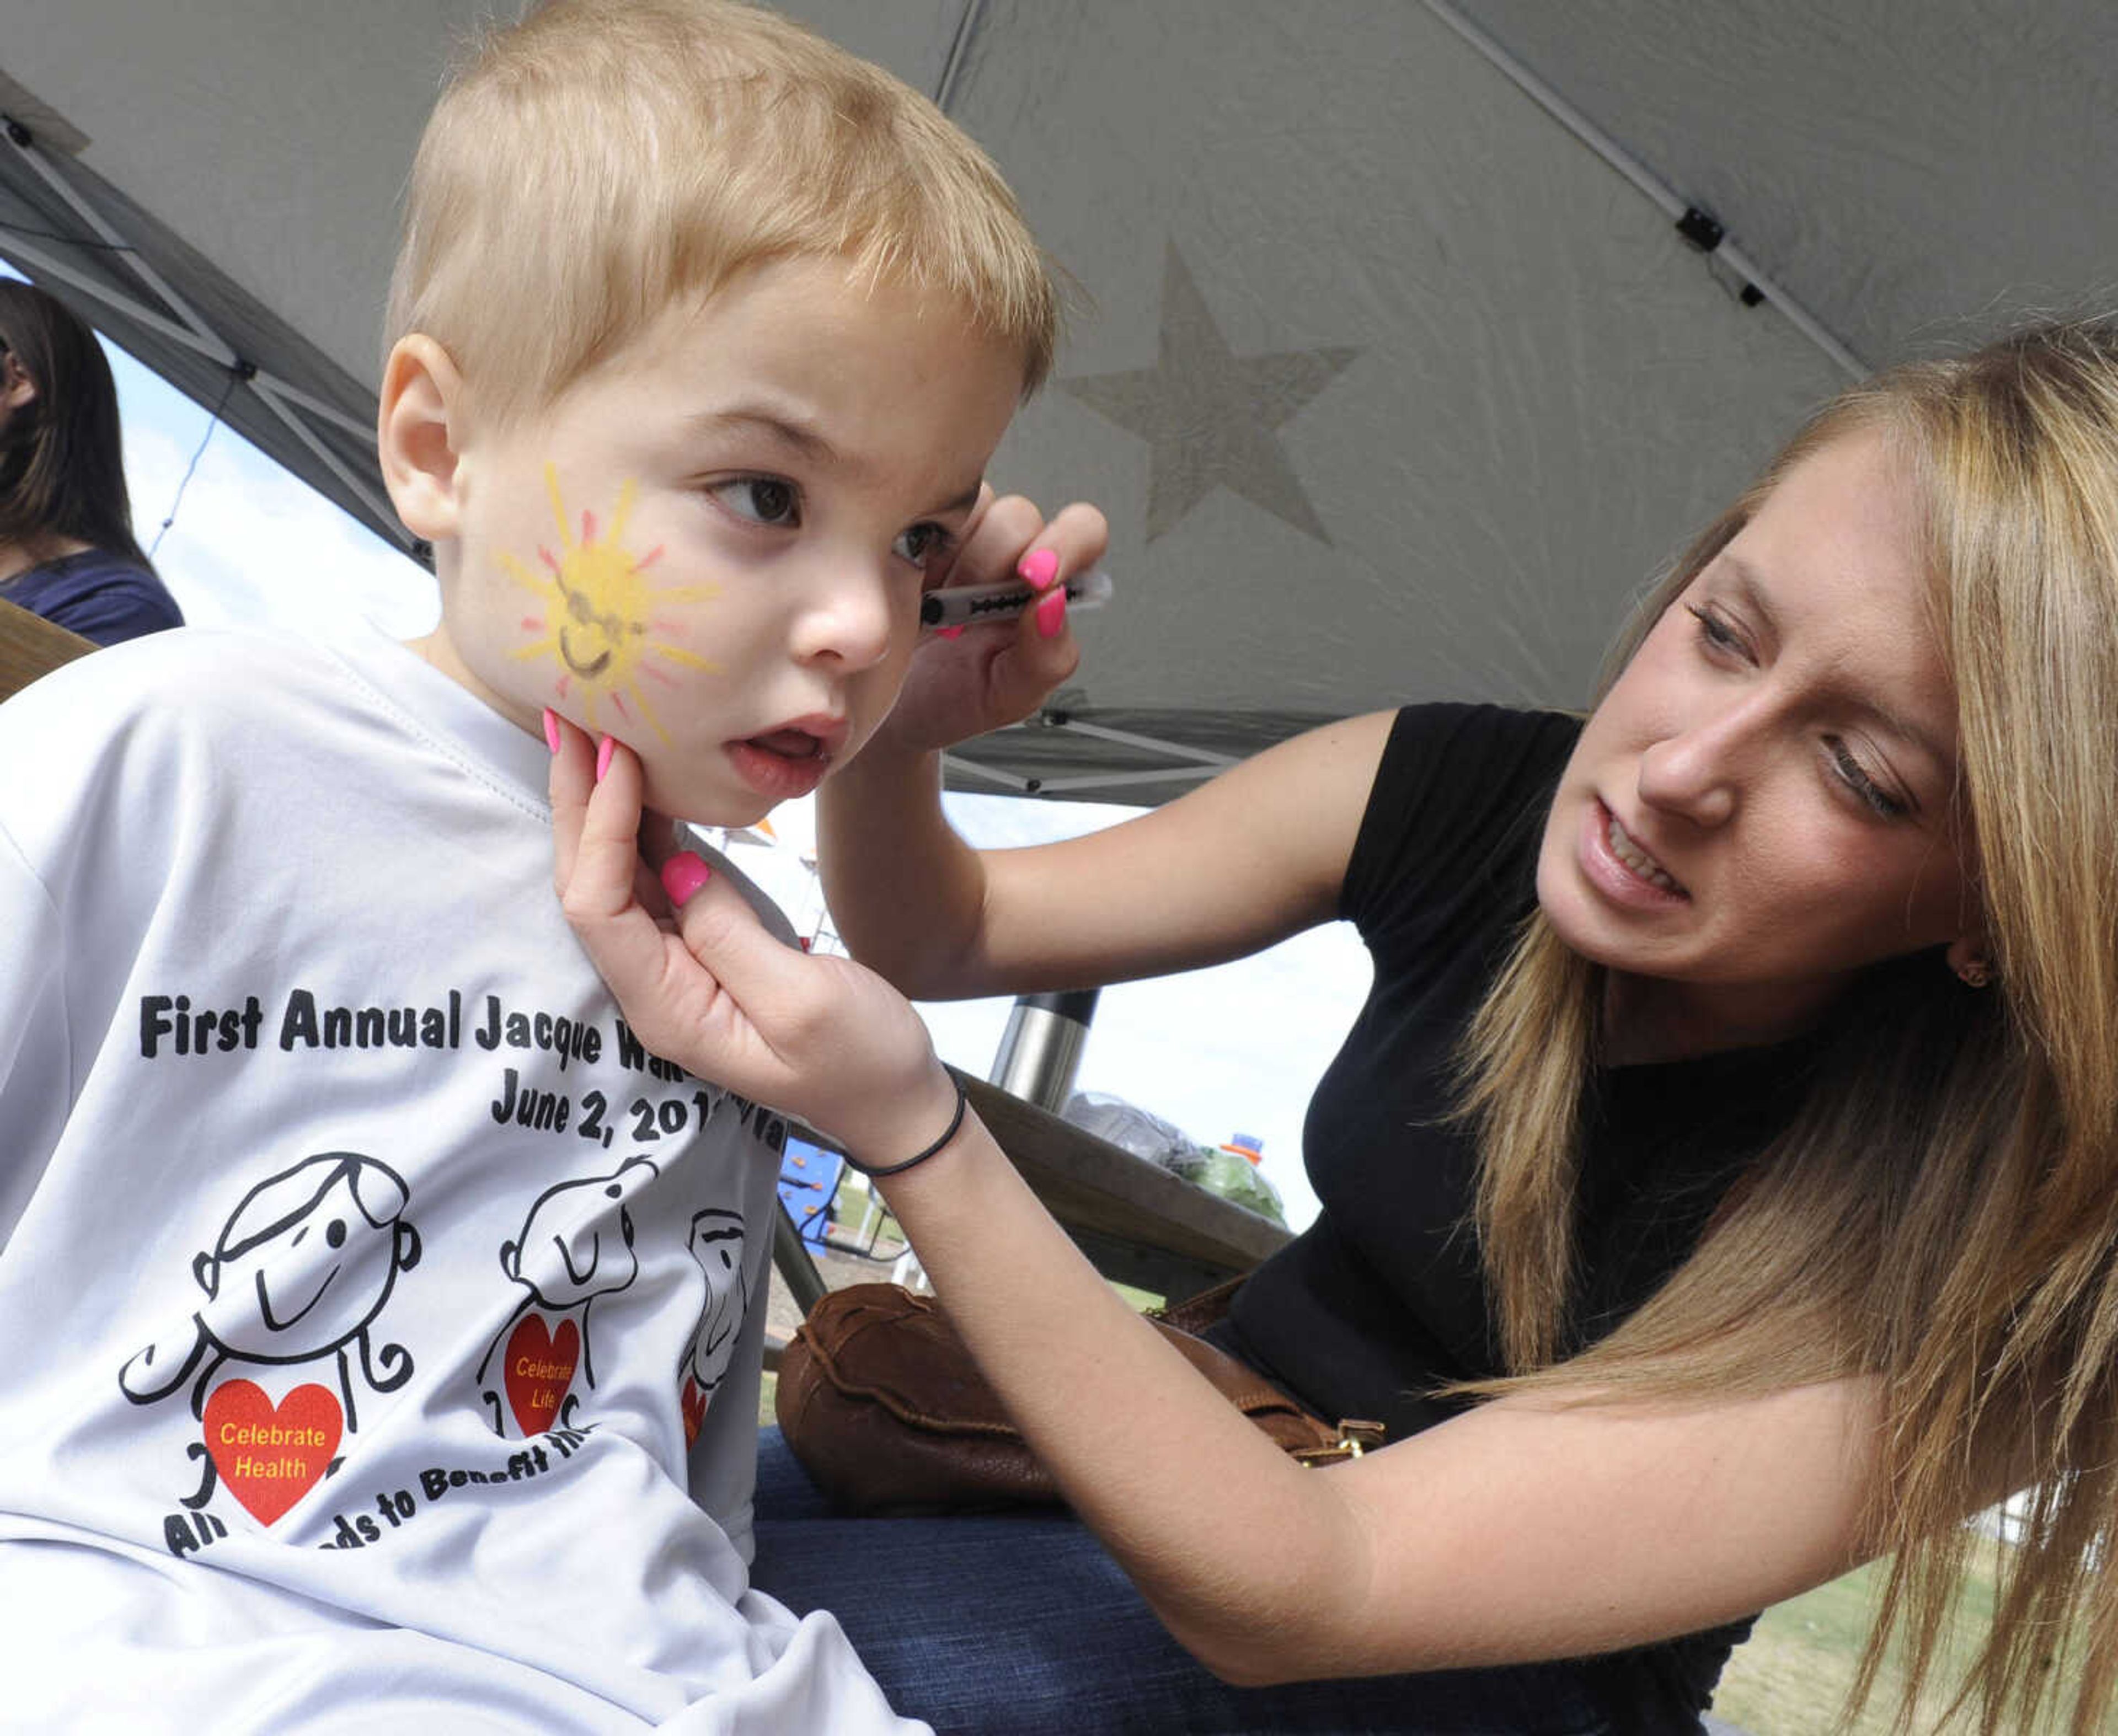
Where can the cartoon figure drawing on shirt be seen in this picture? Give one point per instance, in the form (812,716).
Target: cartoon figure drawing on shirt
(716,1243)
(570,1252)
(303,1267)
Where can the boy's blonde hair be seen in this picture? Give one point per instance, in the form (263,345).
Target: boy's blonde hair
(604,159)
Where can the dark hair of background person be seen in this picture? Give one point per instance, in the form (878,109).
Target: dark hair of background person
(62,462)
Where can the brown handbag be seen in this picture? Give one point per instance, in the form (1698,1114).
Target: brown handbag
(881,1403)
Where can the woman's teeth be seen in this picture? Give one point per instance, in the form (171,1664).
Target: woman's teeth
(1637,859)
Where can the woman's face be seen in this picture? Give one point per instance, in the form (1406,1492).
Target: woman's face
(1762,804)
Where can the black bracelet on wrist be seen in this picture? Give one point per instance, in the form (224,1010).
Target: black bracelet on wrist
(955,1121)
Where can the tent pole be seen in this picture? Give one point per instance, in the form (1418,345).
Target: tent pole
(317,408)
(1636,172)
(1189,762)
(959,46)
(50,265)
(1205,759)
(25,142)
(267,392)
(1040,1051)
(194,333)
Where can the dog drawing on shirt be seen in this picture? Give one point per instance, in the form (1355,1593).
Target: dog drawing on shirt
(716,1243)
(575,1245)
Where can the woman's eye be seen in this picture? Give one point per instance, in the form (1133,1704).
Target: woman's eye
(766,500)
(1855,776)
(923,544)
(1714,632)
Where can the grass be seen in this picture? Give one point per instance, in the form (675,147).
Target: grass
(1790,1678)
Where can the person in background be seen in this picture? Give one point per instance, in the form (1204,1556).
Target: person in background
(1717,1186)
(66,548)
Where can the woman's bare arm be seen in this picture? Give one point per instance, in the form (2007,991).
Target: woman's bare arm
(1249,859)
(1524,1530)
(1252,857)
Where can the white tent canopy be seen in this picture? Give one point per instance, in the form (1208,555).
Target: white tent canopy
(1400,374)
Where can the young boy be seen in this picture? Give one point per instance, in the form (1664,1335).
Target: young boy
(385,1322)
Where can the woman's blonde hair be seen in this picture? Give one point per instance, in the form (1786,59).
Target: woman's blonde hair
(604,159)
(1942,1215)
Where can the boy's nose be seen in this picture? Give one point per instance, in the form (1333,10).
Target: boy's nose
(849,621)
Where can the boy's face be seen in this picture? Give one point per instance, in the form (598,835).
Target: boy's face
(713,547)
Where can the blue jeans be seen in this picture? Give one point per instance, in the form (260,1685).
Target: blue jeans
(1020,1624)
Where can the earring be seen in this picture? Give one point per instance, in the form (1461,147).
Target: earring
(1975,974)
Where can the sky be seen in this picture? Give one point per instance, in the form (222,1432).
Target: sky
(1235,1049)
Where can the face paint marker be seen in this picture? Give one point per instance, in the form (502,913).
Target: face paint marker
(966,605)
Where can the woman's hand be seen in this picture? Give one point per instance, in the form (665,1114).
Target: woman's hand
(815,1037)
(989,677)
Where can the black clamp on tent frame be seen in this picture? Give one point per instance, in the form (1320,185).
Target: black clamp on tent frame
(1703,230)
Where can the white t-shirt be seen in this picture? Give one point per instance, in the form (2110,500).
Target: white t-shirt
(363,1278)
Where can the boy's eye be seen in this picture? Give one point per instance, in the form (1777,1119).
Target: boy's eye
(768,499)
(922,544)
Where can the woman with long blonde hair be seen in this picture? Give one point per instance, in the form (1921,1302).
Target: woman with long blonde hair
(1719,1188)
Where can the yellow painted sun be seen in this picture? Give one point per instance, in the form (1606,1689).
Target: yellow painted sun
(599,623)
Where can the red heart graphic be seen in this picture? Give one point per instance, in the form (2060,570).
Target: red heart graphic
(269,1456)
(540,1368)
(694,1403)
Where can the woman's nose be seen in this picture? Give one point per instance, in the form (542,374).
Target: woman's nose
(1697,772)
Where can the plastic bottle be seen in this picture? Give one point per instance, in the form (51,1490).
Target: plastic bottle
(1232,1172)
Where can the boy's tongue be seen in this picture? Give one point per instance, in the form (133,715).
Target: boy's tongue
(796,744)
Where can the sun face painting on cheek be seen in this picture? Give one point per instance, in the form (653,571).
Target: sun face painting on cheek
(598,624)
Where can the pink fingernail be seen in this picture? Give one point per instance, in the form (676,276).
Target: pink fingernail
(1052,615)
(948,632)
(683,874)
(550,729)
(1039,568)
(610,746)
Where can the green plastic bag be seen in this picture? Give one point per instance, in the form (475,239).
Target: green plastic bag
(1234,1177)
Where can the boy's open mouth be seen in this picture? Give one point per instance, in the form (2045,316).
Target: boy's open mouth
(791,744)
(790,761)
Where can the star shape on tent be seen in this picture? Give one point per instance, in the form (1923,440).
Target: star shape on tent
(1209,416)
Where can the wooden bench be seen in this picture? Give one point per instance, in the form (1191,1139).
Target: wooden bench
(1137,1222)
(30,646)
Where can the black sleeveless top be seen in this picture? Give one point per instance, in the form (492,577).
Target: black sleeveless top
(1383,1298)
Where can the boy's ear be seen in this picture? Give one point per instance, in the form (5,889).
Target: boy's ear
(418,430)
